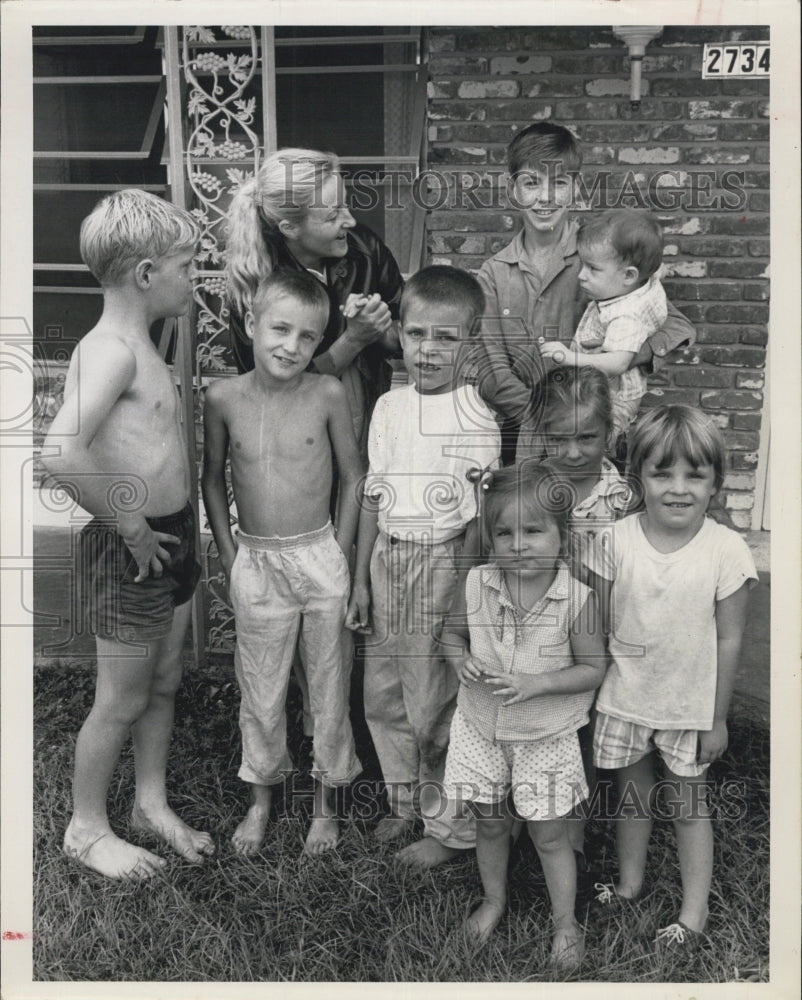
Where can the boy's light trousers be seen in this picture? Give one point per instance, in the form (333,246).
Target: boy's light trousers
(410,690)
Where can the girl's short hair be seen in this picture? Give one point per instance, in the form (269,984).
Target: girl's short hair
(284,188)
(133,225)
(568,388)
(538,489)
(636,237)
(666,433)
(544,142)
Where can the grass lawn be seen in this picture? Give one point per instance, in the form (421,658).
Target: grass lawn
(353,915)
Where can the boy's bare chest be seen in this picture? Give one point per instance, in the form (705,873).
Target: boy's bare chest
(292,431)
(152,397)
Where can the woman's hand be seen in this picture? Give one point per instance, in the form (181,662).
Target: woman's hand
(368,318)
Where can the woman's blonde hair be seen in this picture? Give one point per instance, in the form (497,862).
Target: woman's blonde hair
(284,188)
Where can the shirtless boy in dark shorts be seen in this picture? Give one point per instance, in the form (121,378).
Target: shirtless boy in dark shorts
(282,429)
(117,446)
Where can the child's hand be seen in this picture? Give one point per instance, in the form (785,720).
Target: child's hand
(713,743)
(513,687)
(368,317)
(468,669)
(227,562)
(553,349)
(357,617)
(145,545)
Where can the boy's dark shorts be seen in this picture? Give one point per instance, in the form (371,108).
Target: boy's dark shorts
(117,608)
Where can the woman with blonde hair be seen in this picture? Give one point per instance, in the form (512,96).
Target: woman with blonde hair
(294,214)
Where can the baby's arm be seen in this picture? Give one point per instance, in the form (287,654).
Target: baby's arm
(213,479)
(349,464)
(730,620)
(102,378)
(590,664)
(609,362)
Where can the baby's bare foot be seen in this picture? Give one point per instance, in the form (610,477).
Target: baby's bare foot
(323,835)
(427,853)
(567,947)
(392,828)
(250,833)
(194,845)
(104,852)
(483,921)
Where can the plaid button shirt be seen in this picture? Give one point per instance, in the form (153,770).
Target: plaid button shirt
(623,324)
(538,642)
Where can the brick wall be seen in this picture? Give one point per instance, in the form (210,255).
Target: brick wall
(696,153)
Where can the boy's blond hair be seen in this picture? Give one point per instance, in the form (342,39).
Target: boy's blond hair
(133,225)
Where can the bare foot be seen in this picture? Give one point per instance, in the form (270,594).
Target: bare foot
(105,852)
(427,853)
(250,833)
(323,835)
(567,947)
(483,921)
(194,845)
(392,828)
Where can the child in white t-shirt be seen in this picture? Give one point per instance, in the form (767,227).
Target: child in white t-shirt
(621,251)
(416,527)
(677,605)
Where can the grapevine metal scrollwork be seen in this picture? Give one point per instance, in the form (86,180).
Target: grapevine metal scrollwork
(222,153)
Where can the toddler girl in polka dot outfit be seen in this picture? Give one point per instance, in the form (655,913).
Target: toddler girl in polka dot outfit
(523,642)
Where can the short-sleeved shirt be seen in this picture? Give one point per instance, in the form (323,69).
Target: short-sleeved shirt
(624,323)
(608,501)
(421,448)
(523,305)
(539,642)
(663,642)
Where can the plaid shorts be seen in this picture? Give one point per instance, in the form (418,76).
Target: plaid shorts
(618,743)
